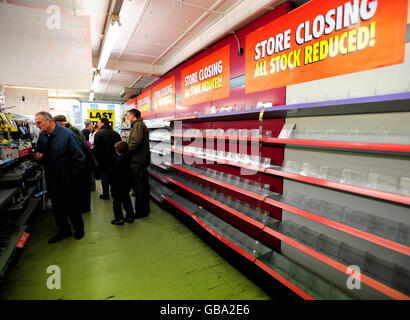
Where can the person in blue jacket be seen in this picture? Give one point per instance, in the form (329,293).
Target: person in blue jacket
(59,152)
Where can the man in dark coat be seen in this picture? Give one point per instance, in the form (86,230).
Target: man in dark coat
(91,165)
(105,154)
(60,153)
(87,130)
(140,157)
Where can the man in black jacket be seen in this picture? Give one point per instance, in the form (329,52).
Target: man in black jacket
(105,154)
(60,153)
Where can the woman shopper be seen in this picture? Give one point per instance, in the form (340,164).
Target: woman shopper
(94,130)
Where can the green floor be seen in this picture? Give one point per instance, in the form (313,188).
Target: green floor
(153,258)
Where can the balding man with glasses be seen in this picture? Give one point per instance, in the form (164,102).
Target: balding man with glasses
(59,151)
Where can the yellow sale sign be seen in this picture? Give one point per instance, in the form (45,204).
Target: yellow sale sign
(95,115)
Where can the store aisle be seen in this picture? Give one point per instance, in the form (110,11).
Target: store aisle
(153,258)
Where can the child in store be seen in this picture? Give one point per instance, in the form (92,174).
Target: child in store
(120,181)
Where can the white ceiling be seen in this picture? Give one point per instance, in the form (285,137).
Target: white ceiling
(156,35)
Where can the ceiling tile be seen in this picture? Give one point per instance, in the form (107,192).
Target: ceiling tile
(127,28)
(190,37)
(208,21)
(227,5)
(161,11)
(127,56)
(96,6)
(149,31)
(145,48)
(206,4)
(131,9)
(40,4)
(115,55)
(124,77)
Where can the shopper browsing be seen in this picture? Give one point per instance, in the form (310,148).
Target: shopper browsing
(91,165)
(60,153)
(105,154)
(120,181)
(87,130)
(94,130)
(91,143)
(140,156)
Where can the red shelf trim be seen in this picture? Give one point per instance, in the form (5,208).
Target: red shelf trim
(392,293)
(158,177)
(213,232)
(342,227)
(369,281)
(227,162)
(273,273)
(343,144)
(284,281)
(222,184)
(219,204)
(326,183)
(393,197)
(333,263)
(218,137)
(392,147)
(330,223)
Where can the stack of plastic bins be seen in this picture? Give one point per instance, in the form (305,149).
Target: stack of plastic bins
(351,256)
(328,246)
(186,204)
(330,211)
(157,189)
(378,226)
(202,214)
(237,237)
(253,247)
(287,228)
(401,279)
(387,272)
(375,268)
(382,227)
(260,217)
(245,242)
(356,219)
(403,234)
(270,220)
(307,281)
(308,237)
